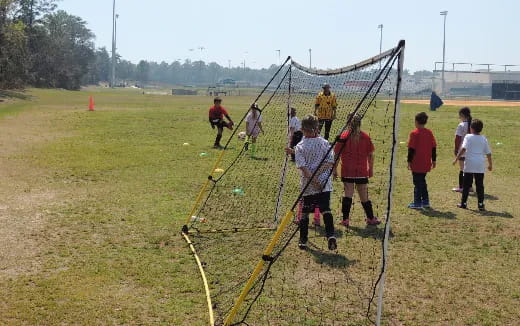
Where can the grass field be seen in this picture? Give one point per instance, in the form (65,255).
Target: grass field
(91,204)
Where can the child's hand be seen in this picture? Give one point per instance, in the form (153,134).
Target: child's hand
(454,161)
(490,167)
(370,173)
(434,164)
(409,166)
(212,126)
(289,150)
(335,174)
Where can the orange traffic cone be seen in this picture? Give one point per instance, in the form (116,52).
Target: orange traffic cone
(91,104)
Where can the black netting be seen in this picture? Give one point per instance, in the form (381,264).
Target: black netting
(239,213)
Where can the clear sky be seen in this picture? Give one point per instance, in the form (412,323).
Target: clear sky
(338,32)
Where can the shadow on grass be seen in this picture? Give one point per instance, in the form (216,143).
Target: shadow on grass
(372,232)
(486,196)
(439,214)
(493,214)
(329,258)
(320,231)
(14,94)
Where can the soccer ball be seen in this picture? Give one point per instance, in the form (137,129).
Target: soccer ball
(242,135)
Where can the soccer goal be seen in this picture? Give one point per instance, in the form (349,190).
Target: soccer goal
(243,226)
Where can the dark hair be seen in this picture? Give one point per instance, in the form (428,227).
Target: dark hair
(477,125)
(310,123)
(293,112)
(466,113)
(421,118)
(217,99)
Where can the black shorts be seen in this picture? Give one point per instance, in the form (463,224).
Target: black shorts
(358,181)
(219,123)
(322,200)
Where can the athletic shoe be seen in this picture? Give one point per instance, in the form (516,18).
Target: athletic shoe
(457,189)
(481,207)
(218,147)
(415,206)
(345,223)
(332,243)
(462,205)
(373,221)
(302,245)
(471,189)
(426,204)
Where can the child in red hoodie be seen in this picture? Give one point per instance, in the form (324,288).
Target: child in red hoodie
(422,155)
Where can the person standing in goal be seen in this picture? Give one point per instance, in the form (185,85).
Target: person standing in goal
(325,109)
(309,154)
(216,119)
(422,155)
(295,132)
(356,151)
(475,146)
(253,127)
(462,130)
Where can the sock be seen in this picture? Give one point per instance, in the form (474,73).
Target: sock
(461,179)
(253,149)
(304,227)
(329,224)
(346,203)
(367,206)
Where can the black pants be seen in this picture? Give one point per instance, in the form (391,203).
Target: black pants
(468,182)
(328,124)
(420,190)
(323,201)
(296,138)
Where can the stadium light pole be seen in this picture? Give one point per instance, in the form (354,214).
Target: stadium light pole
(113,72)
(380,26)
(279,62)
(445,14)
(310,58)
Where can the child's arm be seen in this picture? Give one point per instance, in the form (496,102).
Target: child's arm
(490,162)
(247,128)
(259,124)
(371,164)
(411,154)
(458,142)
(434,157)
(211,123)
(335,167)
(461,152)
(307,174)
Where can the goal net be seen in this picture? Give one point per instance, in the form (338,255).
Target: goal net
(243,226)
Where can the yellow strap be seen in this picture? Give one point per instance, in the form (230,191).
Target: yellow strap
(204,280)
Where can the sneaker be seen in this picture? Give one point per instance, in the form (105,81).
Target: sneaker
(332,243)
(302,245)
(345,223)
(415,206)
(471,189)
(457,189)
(426,204)
(218,146)
(373,221)
(462,205)
(481,207)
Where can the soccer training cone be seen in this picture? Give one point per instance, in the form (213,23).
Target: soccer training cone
(91,103)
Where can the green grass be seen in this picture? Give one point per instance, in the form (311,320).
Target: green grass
(108,250)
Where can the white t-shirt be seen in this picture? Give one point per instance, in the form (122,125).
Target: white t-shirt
(309,153)
(295,124)
(476,148)
(462,131)
(253,129)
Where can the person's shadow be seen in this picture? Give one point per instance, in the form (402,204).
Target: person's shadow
(439,214)
(330,258)
(493,214)
(486,196)
(372,232)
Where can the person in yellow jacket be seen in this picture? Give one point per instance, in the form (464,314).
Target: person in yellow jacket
(325,109)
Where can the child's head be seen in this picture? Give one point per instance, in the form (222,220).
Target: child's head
(217,100)
(476,126)
(326,88)
(310,125)
(355,124)
(465,114)
(293,112)
(421,119)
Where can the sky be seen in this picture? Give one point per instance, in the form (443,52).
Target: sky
(339,33)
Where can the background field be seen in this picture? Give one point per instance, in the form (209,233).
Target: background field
(91,204)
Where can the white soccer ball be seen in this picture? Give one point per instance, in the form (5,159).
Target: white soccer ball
(242,135)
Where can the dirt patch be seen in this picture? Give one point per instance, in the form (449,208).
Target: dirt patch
(467,103)
(24,194)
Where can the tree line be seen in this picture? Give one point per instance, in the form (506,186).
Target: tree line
(42,46)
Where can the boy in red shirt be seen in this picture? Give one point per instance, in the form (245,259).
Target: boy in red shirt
(422,155)
(355,149)
(216,119)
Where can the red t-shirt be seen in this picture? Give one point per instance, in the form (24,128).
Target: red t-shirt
(354,156)
(422,140)
(217,113)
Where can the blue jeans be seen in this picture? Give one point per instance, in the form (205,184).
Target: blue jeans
(420,191)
